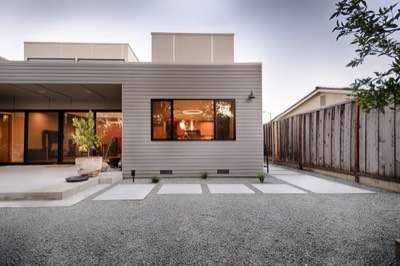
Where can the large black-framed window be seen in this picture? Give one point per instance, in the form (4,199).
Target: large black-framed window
(193,119)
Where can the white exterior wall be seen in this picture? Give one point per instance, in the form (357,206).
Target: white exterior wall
(192,48)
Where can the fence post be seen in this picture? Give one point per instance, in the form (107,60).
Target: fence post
(300,128)
(356,143)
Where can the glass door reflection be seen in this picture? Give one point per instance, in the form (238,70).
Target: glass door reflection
(70,150)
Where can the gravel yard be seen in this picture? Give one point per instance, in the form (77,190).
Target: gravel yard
(214,229)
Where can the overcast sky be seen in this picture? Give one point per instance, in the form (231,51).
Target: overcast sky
(292,38)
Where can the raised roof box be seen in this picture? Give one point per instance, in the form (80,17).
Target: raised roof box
(45,51)
(192,48)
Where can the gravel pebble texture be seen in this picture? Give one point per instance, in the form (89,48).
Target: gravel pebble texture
(207,229)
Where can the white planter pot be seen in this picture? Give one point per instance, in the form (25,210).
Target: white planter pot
(90,166)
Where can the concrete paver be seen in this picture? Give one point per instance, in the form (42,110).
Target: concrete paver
(126,192)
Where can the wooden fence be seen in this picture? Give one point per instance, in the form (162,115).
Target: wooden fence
(340,138)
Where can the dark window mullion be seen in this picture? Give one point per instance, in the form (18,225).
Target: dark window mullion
(26,158)
(215,119)
(172,131)
(152,119)
(60,155)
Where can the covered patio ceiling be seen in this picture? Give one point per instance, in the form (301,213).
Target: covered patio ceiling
(62,92)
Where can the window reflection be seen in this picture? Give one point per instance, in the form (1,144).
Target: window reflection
(193,119)
(70,149)
(161,119)
(43,137)
(109,124)
(225,120)
(12,125)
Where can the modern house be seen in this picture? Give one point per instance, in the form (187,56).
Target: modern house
(321,97)
(191,109)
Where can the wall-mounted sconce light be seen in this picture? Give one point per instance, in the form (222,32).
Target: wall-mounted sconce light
(251,96)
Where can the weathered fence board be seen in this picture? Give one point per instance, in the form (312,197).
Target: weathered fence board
(372,135)
(352,124)
(290,142)
(320,137)
(362,143)
(313,144)
(306,139)
(295,139)
(348,131)
(397,140)
(327,138)
(342,147)
(276,136)
(336,139)
(386,143)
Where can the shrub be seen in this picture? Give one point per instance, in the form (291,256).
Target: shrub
(204,175)
(155,179)
(85,134)
(261,177)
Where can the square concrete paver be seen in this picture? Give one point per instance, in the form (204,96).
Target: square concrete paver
(282,172)
(126,192)
(278,189)
(319,185)
(180,189)
(229,189)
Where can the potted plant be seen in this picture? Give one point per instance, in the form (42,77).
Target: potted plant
(86,140)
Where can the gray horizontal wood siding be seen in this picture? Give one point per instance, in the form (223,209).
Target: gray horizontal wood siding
(142,82)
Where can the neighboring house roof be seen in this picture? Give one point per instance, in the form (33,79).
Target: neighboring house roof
(2,59)
(311,95)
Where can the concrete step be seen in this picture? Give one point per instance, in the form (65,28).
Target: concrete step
(62,190)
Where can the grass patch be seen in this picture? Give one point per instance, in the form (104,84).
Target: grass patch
(261,177)
(204,175)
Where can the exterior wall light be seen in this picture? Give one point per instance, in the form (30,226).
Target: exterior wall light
(251,96)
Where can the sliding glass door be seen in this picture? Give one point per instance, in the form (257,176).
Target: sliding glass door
(42,137)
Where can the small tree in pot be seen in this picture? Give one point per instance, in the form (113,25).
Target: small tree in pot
(86,139)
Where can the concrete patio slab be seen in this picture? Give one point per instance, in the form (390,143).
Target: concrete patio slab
(319,185)
(46,182)
(278,189)
(180,189)
(54,203)
(229,189)
(126,192)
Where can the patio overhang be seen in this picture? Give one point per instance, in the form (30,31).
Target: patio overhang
(49,96)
